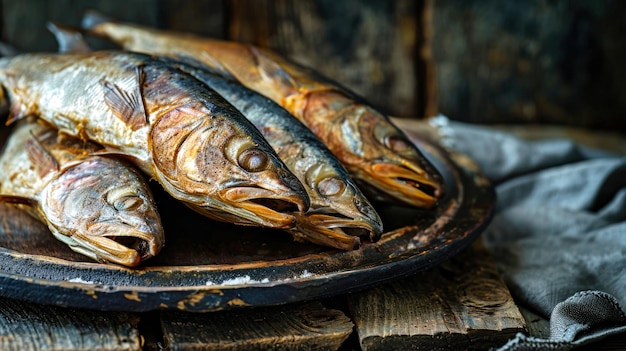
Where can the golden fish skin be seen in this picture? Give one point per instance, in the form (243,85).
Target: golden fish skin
(176,129)
(100,206)
(377,154)
(337,205)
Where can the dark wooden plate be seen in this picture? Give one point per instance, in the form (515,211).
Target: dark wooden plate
(208,266)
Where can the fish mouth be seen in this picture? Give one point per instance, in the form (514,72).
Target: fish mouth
(410,186)
(334,230)
(126,247)
(265,207)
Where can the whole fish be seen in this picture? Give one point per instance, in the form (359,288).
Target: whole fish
(377,154)
(176,129)
(100,206)
(339,213)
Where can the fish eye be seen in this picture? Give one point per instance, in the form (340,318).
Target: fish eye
(253,160)
(124,199)
(388,136)
(127,203)
(330,186)
(396,143)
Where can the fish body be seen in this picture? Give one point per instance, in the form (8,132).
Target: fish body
(337,204)
(176,129)
(100,206)
(377,154)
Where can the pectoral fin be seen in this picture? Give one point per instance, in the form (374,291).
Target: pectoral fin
(127,106)
(41,157)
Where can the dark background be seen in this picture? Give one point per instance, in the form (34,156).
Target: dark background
(484,61)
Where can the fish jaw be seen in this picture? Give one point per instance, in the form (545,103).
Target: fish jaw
(308,229)
(271,208)
(401,184)
(109,250)
(330,228)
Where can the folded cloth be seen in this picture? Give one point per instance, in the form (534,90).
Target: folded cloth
(558,234)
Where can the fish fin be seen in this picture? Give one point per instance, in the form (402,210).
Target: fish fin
(127,106)
(92,18)
(272,70)
(15,110)
(18,200)
(215,66)
(69,39)
(40,156)
(8,50)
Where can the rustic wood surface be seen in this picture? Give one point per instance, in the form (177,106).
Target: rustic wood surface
(371,47)
(25,326)
(461,304)
(536,62)
(483,62)
(558,62)
(308,326)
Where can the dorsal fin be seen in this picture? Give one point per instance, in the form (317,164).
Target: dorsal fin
(272,69)
(69,39)
(40,156)
(93,18)
(127,106)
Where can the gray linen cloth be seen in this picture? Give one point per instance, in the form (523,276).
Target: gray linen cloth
(558,234)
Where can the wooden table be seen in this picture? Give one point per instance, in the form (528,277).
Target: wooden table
(460,304)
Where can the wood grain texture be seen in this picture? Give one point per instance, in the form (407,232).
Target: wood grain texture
(24,22)
(537,61)
(460,304)
(26,326)
(368,46)
(308,326)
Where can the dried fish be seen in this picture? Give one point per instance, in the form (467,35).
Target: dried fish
(377,154)
(100,206)
(175,128)
(339,212)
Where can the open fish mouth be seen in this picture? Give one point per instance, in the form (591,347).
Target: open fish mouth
(334,230)
(264,206)
(127,247)
(413,187)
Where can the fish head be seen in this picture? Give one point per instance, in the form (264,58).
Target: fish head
(376,153)
(223,168)
(338,208)
(104,209)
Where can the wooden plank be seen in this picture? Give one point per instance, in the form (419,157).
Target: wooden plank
(26,326)
(555,62)
(460,304)
(308,326)
(370,47)
(25,21)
